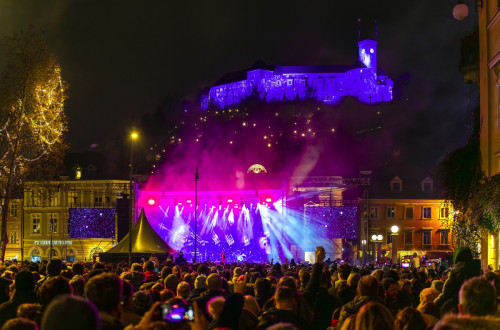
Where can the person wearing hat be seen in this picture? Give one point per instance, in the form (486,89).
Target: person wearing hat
(464,268)
(24,285)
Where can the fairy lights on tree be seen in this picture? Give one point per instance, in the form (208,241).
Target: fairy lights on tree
(32,118)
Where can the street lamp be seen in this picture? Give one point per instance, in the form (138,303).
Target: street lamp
(133,137)
(395,230)
(377,246)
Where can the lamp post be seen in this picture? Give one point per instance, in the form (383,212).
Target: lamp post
(395,230)
(377,246)
(133,137)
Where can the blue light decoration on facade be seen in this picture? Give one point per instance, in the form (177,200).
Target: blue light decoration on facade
(91,223)
(328,84)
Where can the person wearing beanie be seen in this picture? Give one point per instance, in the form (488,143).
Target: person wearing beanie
(199,287)
(465,268)
(71,311)
(24,285)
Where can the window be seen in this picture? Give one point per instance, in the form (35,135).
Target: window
(396,184)
(426,213)
(13,210)
(427,184)
(13,237)
(408,236)
(426,237)
(409,212)
(391,212)
(444,237)
(53,223)
(388,237)
(374,212)
(36,221)
(444,213)
(97,201)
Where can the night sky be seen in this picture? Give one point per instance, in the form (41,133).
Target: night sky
(123,58)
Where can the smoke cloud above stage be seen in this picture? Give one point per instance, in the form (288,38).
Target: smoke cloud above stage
(251,162)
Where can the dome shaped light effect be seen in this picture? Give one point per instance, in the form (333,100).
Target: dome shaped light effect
(460,11)
(256,168)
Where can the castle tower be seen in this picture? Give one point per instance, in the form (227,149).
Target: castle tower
(368,53)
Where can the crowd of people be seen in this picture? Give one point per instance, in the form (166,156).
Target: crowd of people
(83,295)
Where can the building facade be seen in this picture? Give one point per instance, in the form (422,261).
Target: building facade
(405,196)
(328,84)
(489,86)
(68,219)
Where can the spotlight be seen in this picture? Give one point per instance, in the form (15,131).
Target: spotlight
(180,203)
(229,200)
(151,202)
(188,201)
(269,200)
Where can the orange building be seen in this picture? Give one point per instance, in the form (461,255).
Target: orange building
(404,196)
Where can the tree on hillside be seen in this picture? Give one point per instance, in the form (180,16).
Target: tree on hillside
(32,118)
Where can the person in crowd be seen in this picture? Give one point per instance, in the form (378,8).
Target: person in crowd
(367,291)
(4,289)
(263,291)
(24,284)
(344,271)
(171,282)
(53,269)
(464,268)
(283,311)
(199,287)
(316,295)
(149,272)
(213,284)
(135,276)
(141,302)
(431,313)
(128,315)
(477,297)
(409,319)
(31,312)
(460,322)
(78,285)
(180,259)
(183,290)
(20,323)
(105,291)
(67,311)
(374,315)
(304,277)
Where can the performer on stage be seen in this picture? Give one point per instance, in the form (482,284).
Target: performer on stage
(223,257)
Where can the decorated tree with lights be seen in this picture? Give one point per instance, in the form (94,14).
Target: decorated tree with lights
(32,118)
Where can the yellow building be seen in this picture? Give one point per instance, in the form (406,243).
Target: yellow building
(489,84)
(70,219)
(14,229)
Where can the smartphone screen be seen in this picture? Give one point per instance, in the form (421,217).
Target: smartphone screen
(176,313)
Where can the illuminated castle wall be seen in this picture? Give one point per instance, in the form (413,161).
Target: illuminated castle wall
(327,84)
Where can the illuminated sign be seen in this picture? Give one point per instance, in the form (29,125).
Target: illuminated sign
(54,242)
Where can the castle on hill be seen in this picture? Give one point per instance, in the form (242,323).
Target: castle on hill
(328,84)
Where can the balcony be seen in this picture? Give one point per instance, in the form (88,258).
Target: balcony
(92,205)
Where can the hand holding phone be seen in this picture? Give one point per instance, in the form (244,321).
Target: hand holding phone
(176,313)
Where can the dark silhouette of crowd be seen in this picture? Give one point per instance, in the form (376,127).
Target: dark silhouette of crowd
(323,295)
